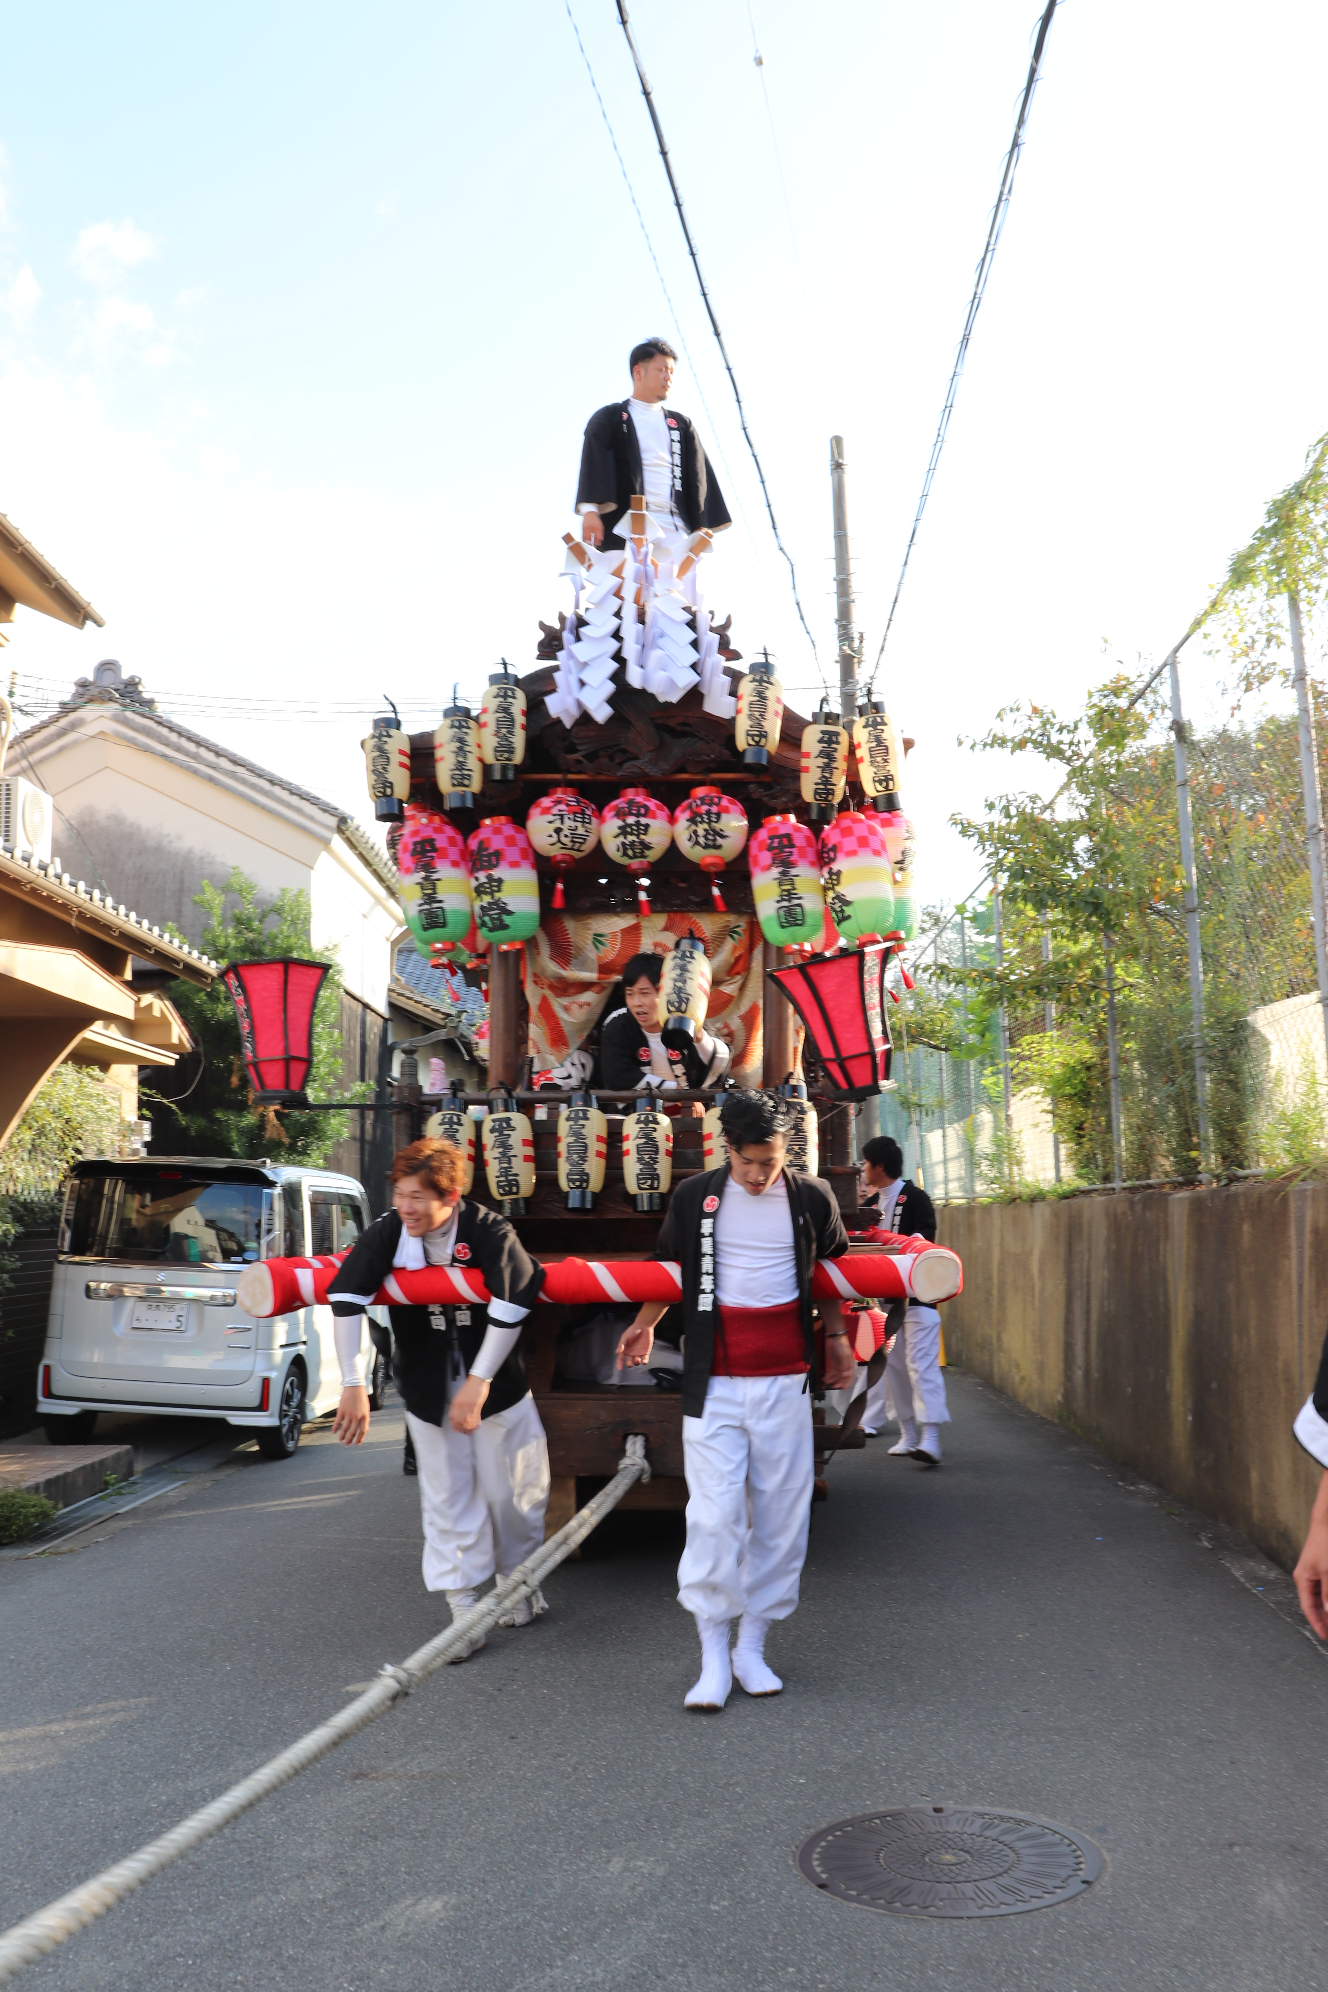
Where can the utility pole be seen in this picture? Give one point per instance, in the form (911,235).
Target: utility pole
(1049,1025)
(1309,781)
(1113,1069)
(1189,880)
(844,629)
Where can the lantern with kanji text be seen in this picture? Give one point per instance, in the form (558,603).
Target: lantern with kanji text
(583,1145)
(804,1137)
(508,1141)
(562,826)
(503,882)
(684,992)
(760,712)
(274,1007)
(387,765)
(857,877)
(456,756)
(841,1000)
(647,1146)
(502,725)
(784,862)
(435,880)
(714,1143)
(453,1124)
(876,745)
(710,828)
(824,765)
(636,831)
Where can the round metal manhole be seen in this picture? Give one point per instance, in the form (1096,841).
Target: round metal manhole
(948,1860)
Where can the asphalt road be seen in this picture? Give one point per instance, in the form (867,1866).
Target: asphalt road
(1023,1629)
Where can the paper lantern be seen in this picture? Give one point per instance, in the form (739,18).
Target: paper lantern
(647,1146)
(583,1145)
(452,1123)
(562,826)
(636,831)
(710,828)
(387,764)
(684,992)
(804,1141)
(509,1155)
(876,745)
(906,905)
(274,1006)
(502,725)
(784,861)
(503,881)
(760,713)
(841,1000)
(824,766)
(456,757)
(897,836)
(857,876)
(714,1146)
(435,880)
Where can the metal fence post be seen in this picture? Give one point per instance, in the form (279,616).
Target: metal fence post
(1309,781)
(1189,876)
(1113,1068)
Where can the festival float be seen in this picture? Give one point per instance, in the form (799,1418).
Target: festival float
(646,790)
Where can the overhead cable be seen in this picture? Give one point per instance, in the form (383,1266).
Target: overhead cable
(710,314)
(998,214)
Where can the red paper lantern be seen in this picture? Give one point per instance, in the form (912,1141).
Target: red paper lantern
(710,828)
(841,1000)
(274,1002)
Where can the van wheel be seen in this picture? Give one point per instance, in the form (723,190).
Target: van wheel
(74,1430)
(379,1378)
(280,1440)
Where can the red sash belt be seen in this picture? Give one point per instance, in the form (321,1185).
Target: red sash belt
(760,1341)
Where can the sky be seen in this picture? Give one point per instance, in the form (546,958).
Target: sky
(302,313)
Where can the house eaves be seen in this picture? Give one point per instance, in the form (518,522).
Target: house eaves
(89,910)
(28,577)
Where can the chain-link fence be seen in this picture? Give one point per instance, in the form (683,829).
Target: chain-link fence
(1059,1040)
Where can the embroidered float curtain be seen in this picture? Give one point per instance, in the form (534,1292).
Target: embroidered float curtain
(574,959)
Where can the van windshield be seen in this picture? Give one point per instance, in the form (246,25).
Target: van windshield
(170,1219)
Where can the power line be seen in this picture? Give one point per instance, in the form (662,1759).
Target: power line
(714,322)
(998,214)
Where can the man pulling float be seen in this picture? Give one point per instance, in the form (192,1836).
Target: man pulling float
(748,1236)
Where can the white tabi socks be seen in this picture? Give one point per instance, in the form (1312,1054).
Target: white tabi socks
(712,1689)
(525,1610)
(749,1663)
(907,1442)
(928,1447)
(462,1602)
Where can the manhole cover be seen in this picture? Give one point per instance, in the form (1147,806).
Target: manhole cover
(948,1860)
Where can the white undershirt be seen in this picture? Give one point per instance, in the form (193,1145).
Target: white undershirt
(754,1239)
(659,1058)
(886,1207)
(652,433)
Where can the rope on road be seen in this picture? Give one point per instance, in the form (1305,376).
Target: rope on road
(38,1935)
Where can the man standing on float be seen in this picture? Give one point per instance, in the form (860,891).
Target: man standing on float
(641,446)
(748,1237)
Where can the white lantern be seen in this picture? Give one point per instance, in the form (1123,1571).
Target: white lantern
(583,1144)
(509,1155)
(456,757)
(647,1155)
(502,725)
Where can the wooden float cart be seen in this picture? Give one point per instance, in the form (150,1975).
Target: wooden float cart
(666,749)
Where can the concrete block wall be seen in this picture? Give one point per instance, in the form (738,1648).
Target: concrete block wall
(1179,1331)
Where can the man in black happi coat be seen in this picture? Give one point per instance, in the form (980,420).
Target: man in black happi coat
(642,446)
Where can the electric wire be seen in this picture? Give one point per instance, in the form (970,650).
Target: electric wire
(998,214)
(759,61)
(714,322)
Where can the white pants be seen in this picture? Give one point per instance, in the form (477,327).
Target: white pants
(748,1460)
(482,1495)
(915,1388)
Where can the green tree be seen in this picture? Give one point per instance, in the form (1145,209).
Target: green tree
(217,1114)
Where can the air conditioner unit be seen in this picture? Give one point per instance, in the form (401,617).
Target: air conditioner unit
(27,817)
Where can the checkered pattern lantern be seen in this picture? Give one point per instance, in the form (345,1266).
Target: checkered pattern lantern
(636,831)
(710,828)
(387,765)
(562,826)
(857,876)
(824,766)
(456,757)
(274,1006)
(841,1000)
(784,861)
(502,726)
(760,718)
(503,881)
(435,880)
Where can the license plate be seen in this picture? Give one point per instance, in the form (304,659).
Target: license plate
(169,1317)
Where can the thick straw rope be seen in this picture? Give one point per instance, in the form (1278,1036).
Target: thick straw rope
(38,1935)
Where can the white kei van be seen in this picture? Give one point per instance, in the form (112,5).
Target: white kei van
(144,1314)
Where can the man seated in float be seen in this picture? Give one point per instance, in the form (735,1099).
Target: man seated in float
(641,447)
(483,1460)
(632,1054)
(748,1237)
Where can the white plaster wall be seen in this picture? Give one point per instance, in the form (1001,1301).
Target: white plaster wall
(351,912)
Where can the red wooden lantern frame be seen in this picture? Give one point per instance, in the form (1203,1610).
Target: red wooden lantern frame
(274,1003)
(841,1000)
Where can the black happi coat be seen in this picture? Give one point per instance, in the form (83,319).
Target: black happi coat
(624,1055)
(424,1337)
(688,1228)
(915,1213)
(611,471)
